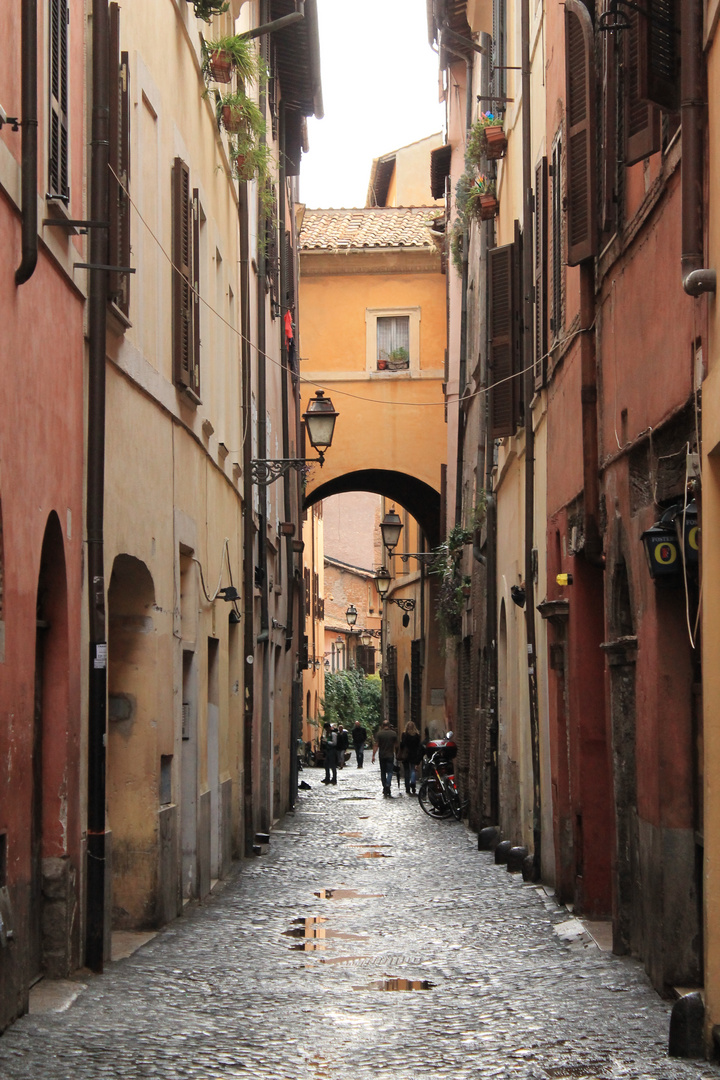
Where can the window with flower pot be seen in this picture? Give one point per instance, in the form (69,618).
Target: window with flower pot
(393,339)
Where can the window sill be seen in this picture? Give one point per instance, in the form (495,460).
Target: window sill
(118,321)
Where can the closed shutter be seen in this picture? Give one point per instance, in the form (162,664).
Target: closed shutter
(541,290)
(580,119)
(58,180)
(658,55)
(556,241)
(183,336)
(416,683)
(119,159)
(504,389)
(196,290)
(289,298)
(642,121)
(609,148)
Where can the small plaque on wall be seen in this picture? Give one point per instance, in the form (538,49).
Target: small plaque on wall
(437,697)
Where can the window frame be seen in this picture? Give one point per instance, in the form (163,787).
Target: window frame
(371,339)
(59,103)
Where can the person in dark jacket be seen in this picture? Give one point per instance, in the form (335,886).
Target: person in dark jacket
(410,754)
(359,738)
(385,742)
(329,742)
(343,740)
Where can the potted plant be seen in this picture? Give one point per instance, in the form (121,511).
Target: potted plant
(206,9)
(238,113)
(232,53)
(482,200)
(251,158)
(486,139)
(398,359)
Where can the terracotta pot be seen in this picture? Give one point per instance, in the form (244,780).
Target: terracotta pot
(495,141)
(488,207)
(382,365)
(232,120)
(220,66)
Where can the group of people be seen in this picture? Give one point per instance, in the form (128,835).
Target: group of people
(408,751)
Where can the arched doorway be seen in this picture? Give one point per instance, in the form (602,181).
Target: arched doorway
(51,910)
(133,767)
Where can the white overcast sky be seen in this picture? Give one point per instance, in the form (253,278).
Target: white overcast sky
(380,92)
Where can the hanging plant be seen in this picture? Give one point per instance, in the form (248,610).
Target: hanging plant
(234,53)
(456,244)
(482,201)
(207,9)
(451,593)
(485,140)
(238,113)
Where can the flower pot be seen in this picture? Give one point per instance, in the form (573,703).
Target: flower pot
(382,365)
(488,207)
(495,141)
(233,120)
(220,66)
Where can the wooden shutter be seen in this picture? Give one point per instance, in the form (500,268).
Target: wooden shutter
(609,148)
(658,55)
(289,298)
(503,387)
(196,290)
(580,119)
(518,338)
(183,337)
(119,159)
(541,290)
(58,183)
(642,121)
(556,244)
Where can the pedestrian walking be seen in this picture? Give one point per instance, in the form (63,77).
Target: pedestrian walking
(410,754)
(329,743)
(359,738)
(385,742)
(343,740)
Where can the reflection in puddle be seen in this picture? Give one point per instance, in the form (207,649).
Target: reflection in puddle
(368,845)
(313,930)
(341,959)
(397,984)
(350,834)
(347,894)
(373,855)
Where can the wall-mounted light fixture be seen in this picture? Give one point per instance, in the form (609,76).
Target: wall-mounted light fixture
(382,582)
(319,417)
(351,615)
(391,526)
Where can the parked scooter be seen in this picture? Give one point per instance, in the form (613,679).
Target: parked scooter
(438,794)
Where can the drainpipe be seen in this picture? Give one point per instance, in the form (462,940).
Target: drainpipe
(279,24)
(529,388)
(696,279)
(29,143)
(97,673)
(248,529)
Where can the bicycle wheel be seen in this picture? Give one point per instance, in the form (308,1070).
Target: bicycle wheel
(431,797)
(453,798)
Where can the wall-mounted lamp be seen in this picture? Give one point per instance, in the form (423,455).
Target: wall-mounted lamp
(517,595)
(382,582)
(319,417)
(391,526)
(351,615)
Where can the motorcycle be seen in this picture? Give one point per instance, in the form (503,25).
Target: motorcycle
(438,794)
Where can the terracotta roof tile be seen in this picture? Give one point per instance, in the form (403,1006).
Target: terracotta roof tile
(376,227)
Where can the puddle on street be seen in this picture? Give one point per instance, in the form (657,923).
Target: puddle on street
(341,959)
(397,984)
(313,930)
(372,855)
(352,834)
(347,894)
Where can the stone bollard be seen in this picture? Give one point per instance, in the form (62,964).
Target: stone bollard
(515,858)
(488,838)
(502,851)
(687,1020)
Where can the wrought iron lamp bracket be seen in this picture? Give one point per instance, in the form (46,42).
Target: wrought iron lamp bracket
(264,472)
(425,558)
(404,605)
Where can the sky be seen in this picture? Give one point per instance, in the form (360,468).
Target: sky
(380,92)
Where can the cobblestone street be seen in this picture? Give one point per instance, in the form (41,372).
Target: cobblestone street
(290,970)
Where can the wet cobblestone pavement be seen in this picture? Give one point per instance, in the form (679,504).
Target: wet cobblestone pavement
(271,980)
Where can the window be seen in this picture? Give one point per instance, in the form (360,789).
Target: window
(556,239)
(186,274)
(541,290)
(393,339)
(499,52)
(503,266)
(58,180)
(393,342)
(119,160)
(580,120)
(641,119)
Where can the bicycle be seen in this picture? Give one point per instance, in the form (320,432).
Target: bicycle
(438,794)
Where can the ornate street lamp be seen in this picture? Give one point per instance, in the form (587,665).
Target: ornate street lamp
(391,526)
(351,615)
(382,582)
(319,417)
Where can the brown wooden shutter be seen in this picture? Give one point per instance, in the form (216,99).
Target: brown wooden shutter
(183,338)
(556,304)
(196,290)
(609,148)
(518,337)
(503,387)
(289,298)
(119,159)
(59,146)
(658,55)
(642,121)
(541,289)
(580,118)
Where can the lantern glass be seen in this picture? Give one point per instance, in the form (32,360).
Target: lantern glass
(382,582)
(351,615)
(320,417)
(391,526)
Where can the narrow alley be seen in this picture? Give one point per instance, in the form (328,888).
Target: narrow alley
(283,972)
